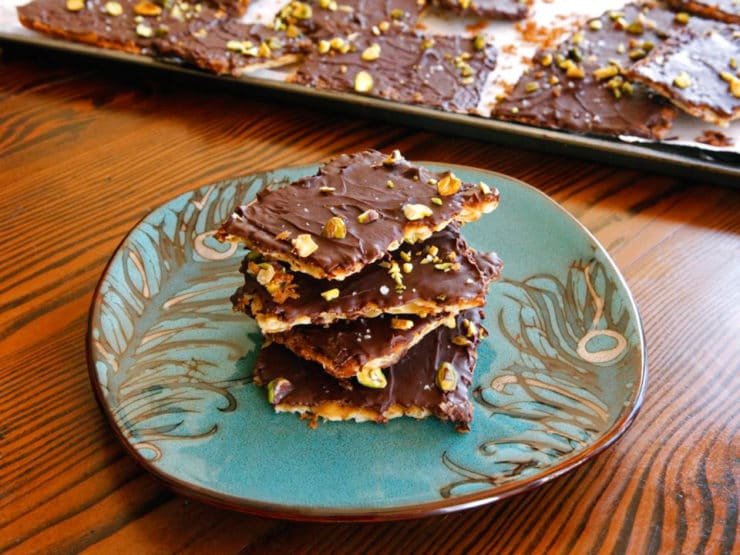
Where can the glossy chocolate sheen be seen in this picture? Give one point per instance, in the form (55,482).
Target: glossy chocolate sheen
(493,9)
(702,58)
(344,347)
(347,16)
(374,286)
(722,10)
(411,381)
(546,96)
(359,183)
(444,72)
(94,25)
(212,49)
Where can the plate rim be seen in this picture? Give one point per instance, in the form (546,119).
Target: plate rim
(366,514)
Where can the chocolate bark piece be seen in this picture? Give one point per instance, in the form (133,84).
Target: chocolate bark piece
(698,72)
(492,9)
(117,24)
(722,10)
(235,48)
(351,347)
(352,212)
(443,275)
(338,18)
(413,387)
(580,85)
(444,72)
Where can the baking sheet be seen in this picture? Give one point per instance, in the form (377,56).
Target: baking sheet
(516,43)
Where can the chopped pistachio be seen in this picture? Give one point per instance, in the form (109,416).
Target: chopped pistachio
(75,5)
(389,184)
(304,245)
(443,266)
(464,4)
(363,82)
(595,25)
(635,28)
(113,8)
(372,377)
(546,60)
(531,87)
(335,228)
(479,42)
(407,267)
(277,389)
(628,88)
(446,378)
(437,201)
(682,80)
(147,8)
(637,54)
(405,256)
(327,190)
(330,294)
(427,43)
(264,50)
(448,185)
(401,324)
(485,189)
(396,13)
(383,26)
(301,10)
(415,212)
(368,216)
(575,72)
(371,53)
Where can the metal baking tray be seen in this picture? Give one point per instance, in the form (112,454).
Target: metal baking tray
(682,160)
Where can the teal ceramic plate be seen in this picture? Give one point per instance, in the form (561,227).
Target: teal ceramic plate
(560,377)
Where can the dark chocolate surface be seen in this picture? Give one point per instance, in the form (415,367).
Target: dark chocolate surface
(493,9)
(346,346)
(411,381)
(214,50)
(702,58)
(548,97)
(411,68)
(360,184)
(338,19)
(128,31)
(374,286)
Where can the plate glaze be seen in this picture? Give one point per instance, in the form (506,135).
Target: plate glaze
(559,378)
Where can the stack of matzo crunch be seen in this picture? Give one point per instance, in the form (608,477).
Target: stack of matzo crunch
(368,295)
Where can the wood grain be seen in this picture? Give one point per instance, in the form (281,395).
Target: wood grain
(85,152)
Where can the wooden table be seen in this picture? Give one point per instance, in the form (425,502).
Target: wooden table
(85,153)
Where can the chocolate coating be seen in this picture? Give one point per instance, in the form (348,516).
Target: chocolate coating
(93,25)
(702,59)
(345,347)
(548,97)
(374,290)
(493,9)
(411,68)
(411,381)
(722,10)
(359,181)
(208,49)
